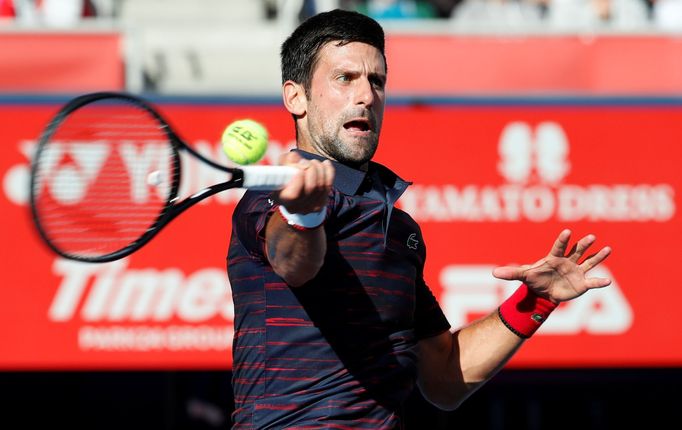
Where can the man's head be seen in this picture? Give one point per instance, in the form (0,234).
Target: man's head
(333,77)
(300,51)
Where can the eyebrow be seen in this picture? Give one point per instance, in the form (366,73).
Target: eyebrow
(372,75)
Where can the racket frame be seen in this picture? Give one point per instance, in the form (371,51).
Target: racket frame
(171,208)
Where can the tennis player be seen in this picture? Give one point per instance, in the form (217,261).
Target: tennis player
(334,324)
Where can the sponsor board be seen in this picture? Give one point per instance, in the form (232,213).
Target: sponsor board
(526,63)
(76,60)
(492,186)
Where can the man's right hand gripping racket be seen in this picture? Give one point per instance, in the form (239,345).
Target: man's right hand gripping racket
(106,174)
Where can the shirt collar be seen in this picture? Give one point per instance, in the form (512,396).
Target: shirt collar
(346,179)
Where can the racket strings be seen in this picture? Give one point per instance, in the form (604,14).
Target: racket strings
(103,178)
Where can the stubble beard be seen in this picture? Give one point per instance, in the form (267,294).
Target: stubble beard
(354,152)
(357,154)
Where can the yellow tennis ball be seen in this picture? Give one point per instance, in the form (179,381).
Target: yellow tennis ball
(245,141)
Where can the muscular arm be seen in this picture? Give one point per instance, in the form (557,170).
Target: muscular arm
(297,255)
(454,365)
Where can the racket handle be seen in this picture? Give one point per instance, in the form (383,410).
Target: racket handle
(267,177)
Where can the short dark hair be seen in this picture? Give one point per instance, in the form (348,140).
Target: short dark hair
(299,52)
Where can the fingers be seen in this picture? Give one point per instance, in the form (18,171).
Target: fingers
(560,244)
(315,175)
(595,259)
(317,182)
(292,190)
(290,158)
(577,251)
(580,247)
(308,190)
(597,283)
(510,273)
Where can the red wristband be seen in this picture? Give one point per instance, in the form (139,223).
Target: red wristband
(524,312)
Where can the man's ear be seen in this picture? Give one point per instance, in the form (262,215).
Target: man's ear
(294,98)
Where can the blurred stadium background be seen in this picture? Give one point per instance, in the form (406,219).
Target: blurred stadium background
(544,113)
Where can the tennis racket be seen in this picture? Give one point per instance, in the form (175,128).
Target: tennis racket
(106,174)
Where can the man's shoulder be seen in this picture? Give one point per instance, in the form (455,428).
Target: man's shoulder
(255,200)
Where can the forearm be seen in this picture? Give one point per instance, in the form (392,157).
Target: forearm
(295,255)
(454,365)
(486,346)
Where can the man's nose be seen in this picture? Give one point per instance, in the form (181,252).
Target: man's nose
(365,92)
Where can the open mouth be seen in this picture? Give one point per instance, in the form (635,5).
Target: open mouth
(359,124)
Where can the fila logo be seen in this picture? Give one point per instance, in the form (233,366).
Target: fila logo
(412,242)
(470,292)
(533,155)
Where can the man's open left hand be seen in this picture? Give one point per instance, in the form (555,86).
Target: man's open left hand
(560,276)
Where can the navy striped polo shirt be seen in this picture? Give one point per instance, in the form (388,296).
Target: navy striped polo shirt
(339,351)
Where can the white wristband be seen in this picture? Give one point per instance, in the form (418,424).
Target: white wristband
(304,221)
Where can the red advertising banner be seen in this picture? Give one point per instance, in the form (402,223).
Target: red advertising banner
(465,64)
(493,185)
(527,64)
(61,62)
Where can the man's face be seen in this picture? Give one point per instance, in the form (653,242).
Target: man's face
(345,104)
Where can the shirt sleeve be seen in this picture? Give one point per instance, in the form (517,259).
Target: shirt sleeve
(249,220)
(429,317)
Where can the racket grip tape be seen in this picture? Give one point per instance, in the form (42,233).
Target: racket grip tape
(267,177)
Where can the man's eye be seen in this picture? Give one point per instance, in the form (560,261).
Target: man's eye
(343,78)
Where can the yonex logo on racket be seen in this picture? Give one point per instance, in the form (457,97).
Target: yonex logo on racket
(71,167)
